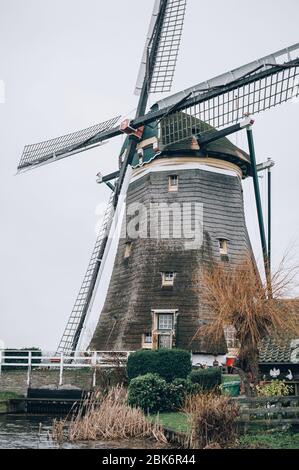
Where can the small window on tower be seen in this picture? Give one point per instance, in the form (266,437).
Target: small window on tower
(147,341)
(128,249)
(173,183)
(148,338)
(223,247)
(168,278)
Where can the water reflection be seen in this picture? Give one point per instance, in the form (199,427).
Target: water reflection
(34,432)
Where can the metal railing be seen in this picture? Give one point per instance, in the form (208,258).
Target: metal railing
(92,360)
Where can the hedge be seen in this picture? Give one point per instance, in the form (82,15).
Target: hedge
(207,379)
(167,363)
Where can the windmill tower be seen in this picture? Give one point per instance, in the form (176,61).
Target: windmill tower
(179,185)
(184,209)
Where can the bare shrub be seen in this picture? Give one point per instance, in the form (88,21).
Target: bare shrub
(236,296)
(212,420)
(107,418)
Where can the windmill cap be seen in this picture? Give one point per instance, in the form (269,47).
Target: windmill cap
(155,143)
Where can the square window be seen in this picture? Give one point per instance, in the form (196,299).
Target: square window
(165,321)
(173,183)
(168,278)
(148,338)
(223,246)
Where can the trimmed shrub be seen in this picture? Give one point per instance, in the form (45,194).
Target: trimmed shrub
(168,363)
(207,379)
(148,392)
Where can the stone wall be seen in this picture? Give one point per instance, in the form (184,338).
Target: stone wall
(16,380)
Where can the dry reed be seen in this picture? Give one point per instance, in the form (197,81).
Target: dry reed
(107,418)
(212,421)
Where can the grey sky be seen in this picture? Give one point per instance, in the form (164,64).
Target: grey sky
(68,64)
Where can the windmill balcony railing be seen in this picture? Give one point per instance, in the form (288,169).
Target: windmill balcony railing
(38,360)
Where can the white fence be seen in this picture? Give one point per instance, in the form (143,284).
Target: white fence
(92,360)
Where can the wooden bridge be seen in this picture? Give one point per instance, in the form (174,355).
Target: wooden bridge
(93,360)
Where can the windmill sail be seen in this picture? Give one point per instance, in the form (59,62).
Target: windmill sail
(71,335)
(161,51)
(226,99)
(84,301)
(169,43)
(64,146)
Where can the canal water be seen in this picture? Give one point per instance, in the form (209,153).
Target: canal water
(34,432)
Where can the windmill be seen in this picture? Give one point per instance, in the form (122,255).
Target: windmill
(180,142)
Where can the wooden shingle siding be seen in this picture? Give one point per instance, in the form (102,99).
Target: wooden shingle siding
(136,286)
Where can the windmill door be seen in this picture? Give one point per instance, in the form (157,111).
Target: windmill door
(165,328)
(164,341)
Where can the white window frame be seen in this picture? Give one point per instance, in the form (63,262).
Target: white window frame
(223,246)
(155,322)
(148,338)
(165,322)
(173,187)
(168,278)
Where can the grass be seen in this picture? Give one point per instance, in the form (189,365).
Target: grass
(8,395)
(253,439)
(4,397)
(175,421)
(273,440)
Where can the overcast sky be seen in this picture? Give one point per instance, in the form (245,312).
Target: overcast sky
(68,64)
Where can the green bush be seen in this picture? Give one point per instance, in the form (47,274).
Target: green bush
(275,388)
(189,387)
(207,379)
(148,392)
(176,393)
(168,363)
(152,393)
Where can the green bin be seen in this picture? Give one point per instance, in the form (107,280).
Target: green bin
(231,388)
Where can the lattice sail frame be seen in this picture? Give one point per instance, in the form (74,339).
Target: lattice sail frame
(169,43)
(75,322)
(229,107)
(36,154)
